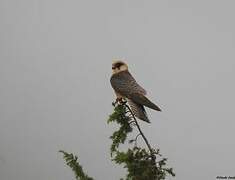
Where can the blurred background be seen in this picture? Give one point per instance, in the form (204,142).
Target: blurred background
(55,65)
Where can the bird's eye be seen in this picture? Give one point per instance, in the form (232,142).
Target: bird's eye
(113,67)
(118,65)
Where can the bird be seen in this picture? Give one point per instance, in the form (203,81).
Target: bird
(126,87)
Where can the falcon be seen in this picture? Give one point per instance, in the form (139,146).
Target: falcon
(126,87)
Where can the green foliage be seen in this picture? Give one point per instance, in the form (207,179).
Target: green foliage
(120,135)
(140,163)
(72,162)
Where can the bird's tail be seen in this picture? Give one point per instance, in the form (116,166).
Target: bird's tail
(138,110)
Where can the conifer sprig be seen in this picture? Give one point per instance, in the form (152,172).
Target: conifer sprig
(72,162)
(141,164)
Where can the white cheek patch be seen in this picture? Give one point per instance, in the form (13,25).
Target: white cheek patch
(115,71)
(119,69)
(123,68)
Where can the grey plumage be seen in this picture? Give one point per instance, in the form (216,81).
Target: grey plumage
(141,99)
(124,84)
(138,110)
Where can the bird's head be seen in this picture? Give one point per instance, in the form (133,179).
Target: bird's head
(118,66)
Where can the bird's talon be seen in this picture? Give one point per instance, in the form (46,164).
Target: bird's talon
(121,101)
(118,100)
(124,101)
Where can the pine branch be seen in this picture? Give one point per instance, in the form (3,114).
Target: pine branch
(141,164)
(72,162)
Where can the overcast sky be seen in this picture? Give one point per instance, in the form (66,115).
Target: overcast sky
(55,65)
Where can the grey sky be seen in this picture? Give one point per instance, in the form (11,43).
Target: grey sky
(55,64)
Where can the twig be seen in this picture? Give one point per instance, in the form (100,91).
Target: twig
(136,139)
(142,134)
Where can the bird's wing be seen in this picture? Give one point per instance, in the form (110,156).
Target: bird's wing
(125,84)
(142,100)
(138,110)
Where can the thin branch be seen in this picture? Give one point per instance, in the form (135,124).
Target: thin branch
(136,139)
(142,134)
(131,121)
